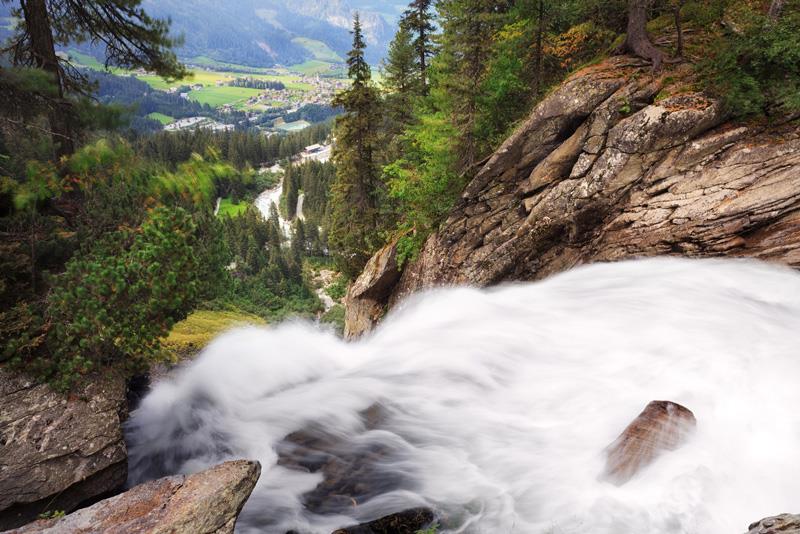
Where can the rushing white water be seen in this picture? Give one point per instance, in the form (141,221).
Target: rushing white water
(267,199)
(496,405)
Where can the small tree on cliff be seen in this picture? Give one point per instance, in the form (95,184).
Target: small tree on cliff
(130,38)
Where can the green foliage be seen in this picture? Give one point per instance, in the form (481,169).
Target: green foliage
(338,289)
(52,514)
(401,78)
(265,278)
(424,184)
(356,192)
(137,249)
(113,303)
(756,70)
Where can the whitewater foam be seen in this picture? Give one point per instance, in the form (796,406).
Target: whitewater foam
(496,405)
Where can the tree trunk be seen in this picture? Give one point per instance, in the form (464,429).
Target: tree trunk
(37,23)
(638,41)
(776,8)
(423,67)
(537,84)
(679,27)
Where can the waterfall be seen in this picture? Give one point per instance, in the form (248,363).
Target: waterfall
(493,407)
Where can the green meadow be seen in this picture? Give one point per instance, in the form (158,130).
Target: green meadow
(160,117)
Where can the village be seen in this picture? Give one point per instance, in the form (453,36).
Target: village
(304,90)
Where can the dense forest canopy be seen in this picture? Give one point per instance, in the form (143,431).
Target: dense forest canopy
(108,236)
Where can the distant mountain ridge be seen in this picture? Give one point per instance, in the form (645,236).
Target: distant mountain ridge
(265,33)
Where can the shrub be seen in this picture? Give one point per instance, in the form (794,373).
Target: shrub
(755,67)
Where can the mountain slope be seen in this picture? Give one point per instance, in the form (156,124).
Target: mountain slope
(264,33)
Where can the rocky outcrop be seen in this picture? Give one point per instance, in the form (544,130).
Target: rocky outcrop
(662,426)
(366,298)
(58,451)
(781,524)
(204,503)
(606,168)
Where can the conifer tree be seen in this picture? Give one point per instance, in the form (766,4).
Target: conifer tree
(356,189)
(402,79)
(469,27)
(419,21)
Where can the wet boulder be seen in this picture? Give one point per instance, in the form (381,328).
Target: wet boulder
(662,426)
(59,450)
(405,522)
(204,503)
(780,524)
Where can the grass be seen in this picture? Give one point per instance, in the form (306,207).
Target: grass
(319,50)
(85,60)
(219,96)
(160,117)
(295,126)
(201,327)
(228,208)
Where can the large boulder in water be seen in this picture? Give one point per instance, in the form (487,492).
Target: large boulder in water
(662,426)
(59,450)
(605,168)
(405,522)
(204,503)
(781,524)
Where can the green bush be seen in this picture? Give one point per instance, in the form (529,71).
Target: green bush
(113,306)
(755,70)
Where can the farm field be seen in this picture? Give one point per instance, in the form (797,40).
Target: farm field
(219,96)
(160,117)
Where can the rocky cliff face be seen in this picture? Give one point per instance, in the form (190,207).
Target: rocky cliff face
(57,450)
(610,166)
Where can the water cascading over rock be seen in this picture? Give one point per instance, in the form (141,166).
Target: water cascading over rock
(662,426)
(494,409)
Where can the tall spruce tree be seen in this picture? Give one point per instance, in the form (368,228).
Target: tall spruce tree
(401,79)
(129,37)
(418,19)
(355,193)
(469,28)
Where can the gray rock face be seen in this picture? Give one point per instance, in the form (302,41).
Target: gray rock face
(603,170)
(368,294)
(204,503)
(58,451)
(781,524)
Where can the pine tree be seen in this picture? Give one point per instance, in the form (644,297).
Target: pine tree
(419,21)
(356,190)
(469,28)
(401,79)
